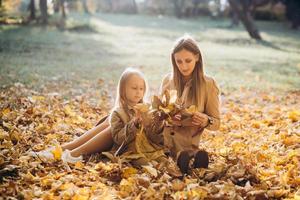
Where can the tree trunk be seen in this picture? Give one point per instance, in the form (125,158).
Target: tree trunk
(178,7)
(62,7)
(32,10)
(135,9)
(85,7)
(44,13)
(293,12)
(56,5)
(234,19)
(241,8)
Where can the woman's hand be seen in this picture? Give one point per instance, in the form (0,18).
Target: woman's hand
(200,119)
(176,120)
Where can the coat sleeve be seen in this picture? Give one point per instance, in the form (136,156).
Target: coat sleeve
(122,132)
(212,107)
(154,132)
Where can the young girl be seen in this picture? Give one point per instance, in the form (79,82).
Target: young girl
(123,127)
(193,88)
(125,122)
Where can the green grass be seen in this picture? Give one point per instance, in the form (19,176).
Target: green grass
(102,45)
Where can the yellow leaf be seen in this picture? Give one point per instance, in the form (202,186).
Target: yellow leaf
(167,109)
(38,98)
(142,107)
(82,194)
(68,110)
(80,197)
(29,177)
(238,146)
(178,185)
(276,193)
(3,134)
(66,186)
(46,181)
(78,120)
(294,115)
(127,186)
(192,109)
(5,111)
(289,141)
(256,124)
(50,137)
(57,152)
(79,165)
(198,193)
(128,171)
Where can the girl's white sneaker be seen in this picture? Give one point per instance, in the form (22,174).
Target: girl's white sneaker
(68,158)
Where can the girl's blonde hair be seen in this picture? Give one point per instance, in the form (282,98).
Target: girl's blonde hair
(188,43)
(121,100)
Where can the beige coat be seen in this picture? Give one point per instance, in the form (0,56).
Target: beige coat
(177,138)
(124,133)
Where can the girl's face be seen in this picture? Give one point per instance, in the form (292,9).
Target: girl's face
(134,89)
(186,62)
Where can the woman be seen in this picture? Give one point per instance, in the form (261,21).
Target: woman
(193,88)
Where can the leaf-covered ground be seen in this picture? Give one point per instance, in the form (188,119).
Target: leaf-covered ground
(255,155)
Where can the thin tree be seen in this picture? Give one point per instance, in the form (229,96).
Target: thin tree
(293,12)
(85,6)
(62,7)
(135,8)
(44,13)
(178,4)
(32,10)
(242,9)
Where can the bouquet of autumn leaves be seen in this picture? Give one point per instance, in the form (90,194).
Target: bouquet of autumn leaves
(166,108)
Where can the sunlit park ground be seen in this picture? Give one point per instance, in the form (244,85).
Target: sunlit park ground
(99,47)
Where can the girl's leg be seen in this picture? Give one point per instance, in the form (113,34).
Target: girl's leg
(86,136)
(100,142)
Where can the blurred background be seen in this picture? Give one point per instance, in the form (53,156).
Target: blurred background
(71,45)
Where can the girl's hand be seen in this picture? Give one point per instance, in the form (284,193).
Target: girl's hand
(200,119)
(137,121)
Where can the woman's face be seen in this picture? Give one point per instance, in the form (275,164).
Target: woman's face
(186,62)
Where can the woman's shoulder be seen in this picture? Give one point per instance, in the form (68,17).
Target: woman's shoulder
(211,83)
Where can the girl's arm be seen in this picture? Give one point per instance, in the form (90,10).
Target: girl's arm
(154,130)
(122,132)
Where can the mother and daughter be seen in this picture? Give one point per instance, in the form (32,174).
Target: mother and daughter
(118,131)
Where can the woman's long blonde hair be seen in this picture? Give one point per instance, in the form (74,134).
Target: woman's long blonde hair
(121,100)
(188,43)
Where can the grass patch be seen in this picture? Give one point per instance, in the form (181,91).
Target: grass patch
(100,46)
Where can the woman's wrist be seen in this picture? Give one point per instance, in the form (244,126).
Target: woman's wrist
(209,121)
